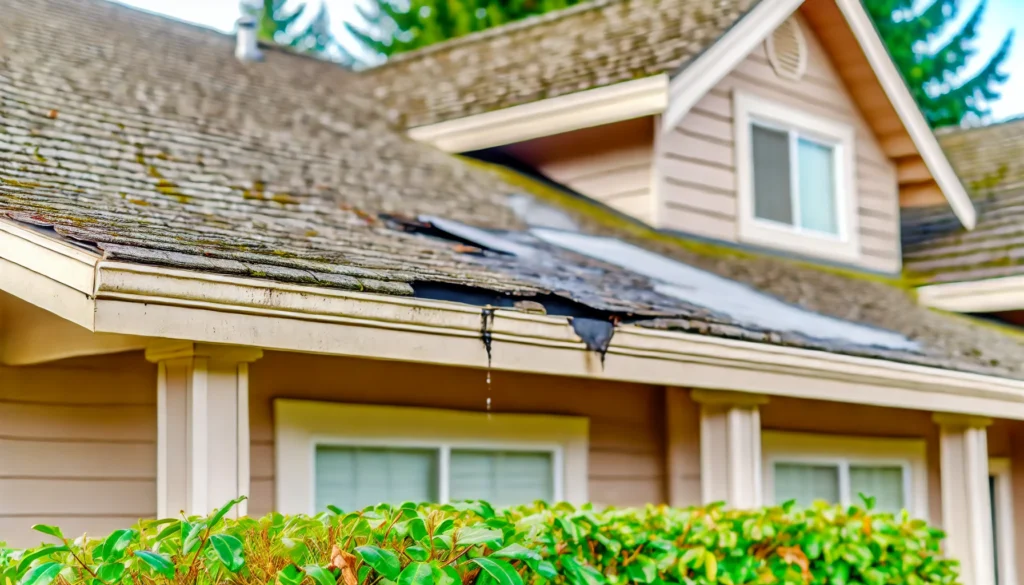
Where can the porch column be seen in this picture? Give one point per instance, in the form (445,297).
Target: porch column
(730,447)
(202,425)
(966,505)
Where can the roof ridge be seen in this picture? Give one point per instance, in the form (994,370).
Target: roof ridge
(958,130)
(493,32)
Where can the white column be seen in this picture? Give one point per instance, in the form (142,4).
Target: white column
(966,505)
(202,425)
(730,447)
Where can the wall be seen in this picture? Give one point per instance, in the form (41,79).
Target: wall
(77,445)
(626,463)
(610,163)
(696,161)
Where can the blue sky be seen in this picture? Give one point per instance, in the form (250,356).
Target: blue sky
(1000,17)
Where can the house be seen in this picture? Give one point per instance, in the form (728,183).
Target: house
(226,278)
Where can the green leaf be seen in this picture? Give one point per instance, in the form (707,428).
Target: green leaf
(383,561)
(546,569)
(320,575)
(224,510)
(156,561)
(110,572)
(193,538)
(44,574)
(569,529)
(417,529)
(229,550)
(518,552)
(114,546)
(472,535)
(642,570)
(417,553)
(335,509)
(291,575)
(47,529)
(500,571)
(169,531)
(417,574)
(711,566)
(39,553)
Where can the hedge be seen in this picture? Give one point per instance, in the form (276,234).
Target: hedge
(471,543)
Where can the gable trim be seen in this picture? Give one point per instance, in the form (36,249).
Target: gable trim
(646,96)
(714,64)
(983,296)
(914,121)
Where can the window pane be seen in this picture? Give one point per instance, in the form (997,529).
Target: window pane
(772,186)
(502,478)
(817,187)
(355,477)
(884,483)
(806,483)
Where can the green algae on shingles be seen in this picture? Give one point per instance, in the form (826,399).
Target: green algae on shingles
(165,187)
(611,219)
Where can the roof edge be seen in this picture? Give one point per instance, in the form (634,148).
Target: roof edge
(176,304)
(488,33)
(990,295)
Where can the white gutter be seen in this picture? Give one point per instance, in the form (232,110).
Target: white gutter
(982,296)
(154,302)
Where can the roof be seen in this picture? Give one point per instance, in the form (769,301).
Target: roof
(990,162)
(598,43)
(145,141)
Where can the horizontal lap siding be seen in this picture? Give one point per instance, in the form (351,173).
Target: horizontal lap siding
(610,163)
(77,445)
(697,162)
(626,463)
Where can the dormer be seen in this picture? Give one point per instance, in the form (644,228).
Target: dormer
(780,126)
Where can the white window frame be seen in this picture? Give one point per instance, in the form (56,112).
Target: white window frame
(1000,468)
(844,451)
(301,425)
(750,109)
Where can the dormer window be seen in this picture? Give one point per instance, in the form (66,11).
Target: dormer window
(796,180)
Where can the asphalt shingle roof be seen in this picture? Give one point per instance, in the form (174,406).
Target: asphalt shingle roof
(598,43)
(146,140)
(990,162)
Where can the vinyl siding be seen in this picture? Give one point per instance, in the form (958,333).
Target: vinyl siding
(77,445)
(626,462)
(697,188)
(610,163)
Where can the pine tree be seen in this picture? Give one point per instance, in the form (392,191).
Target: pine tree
(293,27)
(394,26)
(933,58)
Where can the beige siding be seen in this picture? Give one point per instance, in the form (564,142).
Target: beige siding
(697,190)
(610,163)
(77,445)
(626,420)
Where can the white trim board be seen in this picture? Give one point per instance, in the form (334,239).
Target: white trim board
(687,88)
(302,425)
(646,96)
(979,296)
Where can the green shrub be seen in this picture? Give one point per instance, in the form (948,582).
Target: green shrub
(470,543)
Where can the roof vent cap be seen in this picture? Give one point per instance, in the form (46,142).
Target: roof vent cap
(787,50)
(246,47)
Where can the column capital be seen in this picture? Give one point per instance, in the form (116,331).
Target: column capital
(961,420)
(169,349)
(727,398)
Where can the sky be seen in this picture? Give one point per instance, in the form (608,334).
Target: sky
(1000,17)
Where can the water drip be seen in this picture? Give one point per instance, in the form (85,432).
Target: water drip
(595,333)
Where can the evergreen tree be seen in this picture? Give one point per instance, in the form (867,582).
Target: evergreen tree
(933,58)
(293,27)
(394,26)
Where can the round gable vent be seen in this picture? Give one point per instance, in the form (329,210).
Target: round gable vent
(787,50)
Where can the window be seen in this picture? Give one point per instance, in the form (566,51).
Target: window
(1001,493)
(357,455)
(807,468)
(796,179)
